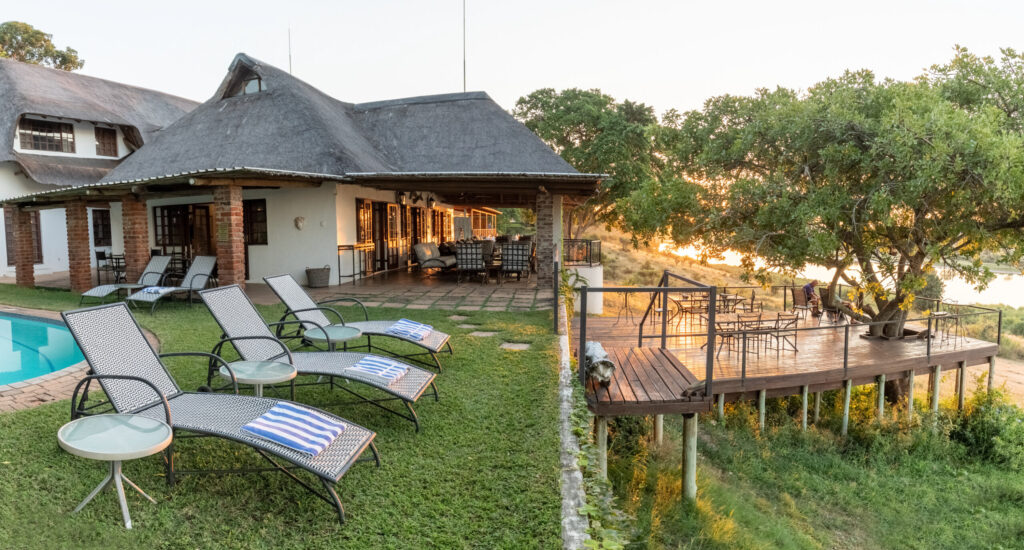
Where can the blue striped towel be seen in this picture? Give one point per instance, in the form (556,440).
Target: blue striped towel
(410,329)
(374,365)
(297,428)
(157,289)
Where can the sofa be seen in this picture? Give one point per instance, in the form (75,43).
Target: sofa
(428,257)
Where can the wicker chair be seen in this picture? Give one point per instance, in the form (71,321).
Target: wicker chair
(469,259)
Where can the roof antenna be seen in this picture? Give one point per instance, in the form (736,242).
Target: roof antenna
(463,46)
(289,49)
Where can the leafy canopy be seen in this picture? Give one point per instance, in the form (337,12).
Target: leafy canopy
(23,42)
(881,180)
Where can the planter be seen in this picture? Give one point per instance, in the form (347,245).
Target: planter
(318,277)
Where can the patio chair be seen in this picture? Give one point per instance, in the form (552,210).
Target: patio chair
(830,307)
(785,332)
(153,275)
(302,307)
(515,259)
(469,259)
(244,328)
(800,305)
(135,380)
(429,257)
(195,279)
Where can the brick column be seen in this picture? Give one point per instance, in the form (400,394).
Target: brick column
(549,237)
(135,236)
(79,263)
(230,237)
(24,252)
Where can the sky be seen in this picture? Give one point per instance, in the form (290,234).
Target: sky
(667,54)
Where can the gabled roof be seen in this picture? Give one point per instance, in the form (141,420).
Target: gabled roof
(32,89)
(293,127)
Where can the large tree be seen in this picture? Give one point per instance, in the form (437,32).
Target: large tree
(26,43)
(598,135)
(884,181)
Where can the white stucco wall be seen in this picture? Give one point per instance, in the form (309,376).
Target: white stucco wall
(594,276)
(289,249)
(85,140)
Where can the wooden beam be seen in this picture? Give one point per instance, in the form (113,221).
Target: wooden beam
(803,410)
(659,424)
(961,389)
(254,182)
(936,383)
(881,397)
(848,387)
(817,406)
(991,372)
(721,407)
(690,456)
(910,395)
(602,446)
(760,409)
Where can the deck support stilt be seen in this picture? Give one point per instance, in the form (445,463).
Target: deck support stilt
(910,395)
(817,406)
(602,445)
(659,424)
(961,385)
(760,409)
(803,410)
(690,456)
(936,382)
(847,388)
(881,397)
(721,407)
(991,372)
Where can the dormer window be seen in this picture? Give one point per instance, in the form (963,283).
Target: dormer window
(45,135)
(106,142)
(249,86)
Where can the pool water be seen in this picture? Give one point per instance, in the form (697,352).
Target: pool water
(33,347)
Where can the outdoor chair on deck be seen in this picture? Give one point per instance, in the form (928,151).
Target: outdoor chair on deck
(302,307)
(195,279)
(754,333)
(152,276)
(136,381)
(800,305)
(515,259)
(244,328)
(830,307)
(469,259)
(785,332)
(429,257)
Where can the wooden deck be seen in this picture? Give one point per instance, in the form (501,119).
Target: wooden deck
(651,380)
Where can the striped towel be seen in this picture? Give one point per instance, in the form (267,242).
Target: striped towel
(297,428)
(379,367)
(157,289)
(410,329)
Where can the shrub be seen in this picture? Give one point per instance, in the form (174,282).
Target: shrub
(992,428)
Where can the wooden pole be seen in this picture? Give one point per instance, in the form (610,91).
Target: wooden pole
(690,456)
(602,445)
(760,409)
(817,406)
(659,422)
(847,388)
(721,407)
(910,395)
(936,382)
(961,385)
(803,411)
(991,372)
(881,397)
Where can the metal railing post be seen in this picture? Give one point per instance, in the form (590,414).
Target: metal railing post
(664,318)
(846,349)
(581,361)
(558,276)
(999,329)
(710,361)
(928,342)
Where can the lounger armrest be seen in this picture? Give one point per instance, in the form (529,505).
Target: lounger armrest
(159,277)
(292,312)
(190,286)
(366,316)
(304,323)
(75,413)
(233,339)
(211,356)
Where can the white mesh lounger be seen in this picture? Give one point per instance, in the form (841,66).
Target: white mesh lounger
(198,274)
(302,307)
(246,331)
(135,380)
(152,276)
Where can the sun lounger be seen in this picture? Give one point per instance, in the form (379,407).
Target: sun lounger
(198,275)
(153,275)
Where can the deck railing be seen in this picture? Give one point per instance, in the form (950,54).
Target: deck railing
(581,252)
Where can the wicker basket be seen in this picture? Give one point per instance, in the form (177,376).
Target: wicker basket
(318,277)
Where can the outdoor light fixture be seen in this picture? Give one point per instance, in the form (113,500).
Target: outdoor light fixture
(401,198)
(431,202)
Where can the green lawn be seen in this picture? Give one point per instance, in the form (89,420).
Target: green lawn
(884,487)
(483,473)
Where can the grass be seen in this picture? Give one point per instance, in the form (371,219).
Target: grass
(885,486)
(483,473)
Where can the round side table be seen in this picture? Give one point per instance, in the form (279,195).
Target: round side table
(259,373)
(113,438)
(336,333)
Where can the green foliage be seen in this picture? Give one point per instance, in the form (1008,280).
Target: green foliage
(881,180)
(568,282)
(23,42)
(521,221)
(992,428)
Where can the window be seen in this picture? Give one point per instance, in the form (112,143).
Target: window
(106,142)
(101,228)
(248,86)
(33,218)
(364,221)
(254,220)
(171,224)
(394,222)
(44,135)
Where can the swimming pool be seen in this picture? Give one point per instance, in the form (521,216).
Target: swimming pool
(31,347)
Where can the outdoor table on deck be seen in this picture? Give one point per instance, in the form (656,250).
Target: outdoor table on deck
(334,333)
(260,373)
(113,438)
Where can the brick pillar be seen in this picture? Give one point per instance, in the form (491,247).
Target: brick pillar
(24,253)
(135,236)
(79,263)
(549,237)
(230,237)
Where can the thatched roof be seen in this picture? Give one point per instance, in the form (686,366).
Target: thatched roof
(293,127)
(31,89)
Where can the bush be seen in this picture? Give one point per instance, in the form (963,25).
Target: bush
(992,428)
